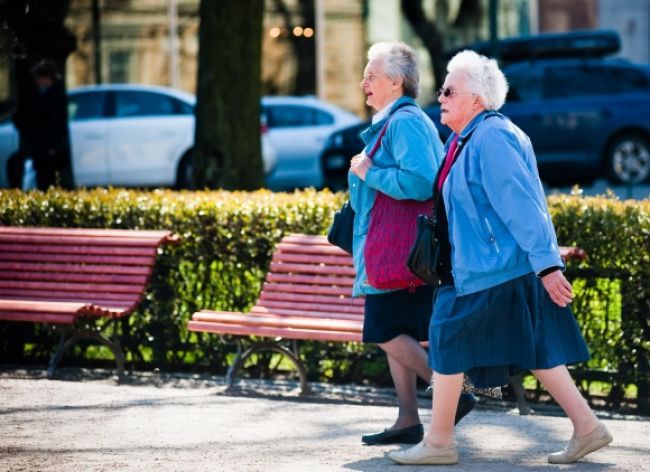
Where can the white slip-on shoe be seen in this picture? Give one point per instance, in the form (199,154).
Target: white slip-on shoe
(580,447)
(423,453)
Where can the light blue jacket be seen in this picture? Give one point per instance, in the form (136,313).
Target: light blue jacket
(499,224)
(404,167)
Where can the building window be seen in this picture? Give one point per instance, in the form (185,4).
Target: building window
(119,66)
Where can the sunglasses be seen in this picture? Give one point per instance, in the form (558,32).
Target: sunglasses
(446,91)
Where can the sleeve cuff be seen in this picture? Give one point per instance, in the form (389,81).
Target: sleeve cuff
(548,270)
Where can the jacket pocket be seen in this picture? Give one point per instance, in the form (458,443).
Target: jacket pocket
(492,237)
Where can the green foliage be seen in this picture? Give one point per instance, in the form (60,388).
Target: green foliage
(227,242)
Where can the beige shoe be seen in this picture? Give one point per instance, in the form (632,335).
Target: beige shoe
(423,453)
(580,447)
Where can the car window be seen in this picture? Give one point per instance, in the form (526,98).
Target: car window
(285,116)
(86,106)
(182,108)
(130,104)
(628,79)
(525,83)
(580,81)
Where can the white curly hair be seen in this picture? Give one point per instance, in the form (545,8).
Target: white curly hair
(400,61)
(483,77)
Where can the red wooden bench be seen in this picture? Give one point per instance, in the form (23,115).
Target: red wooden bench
(80,280)
(307,295)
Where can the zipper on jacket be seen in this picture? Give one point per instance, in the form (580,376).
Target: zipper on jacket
(493,238)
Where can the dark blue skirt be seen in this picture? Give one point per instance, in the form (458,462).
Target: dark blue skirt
(492,334)
(387,315)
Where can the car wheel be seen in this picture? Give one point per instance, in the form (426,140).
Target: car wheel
(628,159)
(185,172)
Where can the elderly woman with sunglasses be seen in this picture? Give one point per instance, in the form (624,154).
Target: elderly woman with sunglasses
(403,152)
(506,307)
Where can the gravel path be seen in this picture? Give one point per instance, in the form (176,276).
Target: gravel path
(189,423)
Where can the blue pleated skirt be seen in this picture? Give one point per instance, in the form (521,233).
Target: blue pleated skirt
(507,329)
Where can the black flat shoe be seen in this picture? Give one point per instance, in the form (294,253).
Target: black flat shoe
(466,403)
(410,435)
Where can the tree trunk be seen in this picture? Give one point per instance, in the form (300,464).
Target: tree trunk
(429,35)
(227,135)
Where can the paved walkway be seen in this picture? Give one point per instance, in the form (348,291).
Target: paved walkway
(189,423)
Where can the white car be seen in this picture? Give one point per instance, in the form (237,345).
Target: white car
(127,135)
(298,128)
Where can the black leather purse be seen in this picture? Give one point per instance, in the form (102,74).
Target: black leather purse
(341,231)
(424,258)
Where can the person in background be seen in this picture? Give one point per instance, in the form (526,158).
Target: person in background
(403,167)
(44,128)
(507,307)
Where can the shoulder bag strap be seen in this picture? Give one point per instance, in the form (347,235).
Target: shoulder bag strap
(383,129)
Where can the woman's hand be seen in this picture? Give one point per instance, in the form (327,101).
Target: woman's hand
(558,287)
(360,164)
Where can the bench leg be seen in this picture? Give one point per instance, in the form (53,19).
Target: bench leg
(234,366)
(517,384)
(240,360)
(83,333)
(57,355)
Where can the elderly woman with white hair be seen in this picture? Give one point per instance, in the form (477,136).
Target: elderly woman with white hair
(398,166)
(506,306)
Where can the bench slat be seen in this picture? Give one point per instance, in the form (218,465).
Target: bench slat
(306,334)
(271,321)
(306,307)
(77,240)
(36,305)
(72,287)
(79,259)
(313,249)
(136,280)
(38,317)
(76,268)
(160,235)
(81,250)
(298,297)
(310,279)
(312,269)
(305,288)
(116,299)
(320,313)
(345,261)
(306,239)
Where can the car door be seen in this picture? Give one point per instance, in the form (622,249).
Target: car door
(89,137)
(576,98)
(148,136)
(298,134)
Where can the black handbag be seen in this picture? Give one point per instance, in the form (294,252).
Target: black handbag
(341,231)
(424,258)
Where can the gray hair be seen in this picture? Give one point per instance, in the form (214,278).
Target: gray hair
(400,62)
(484,78)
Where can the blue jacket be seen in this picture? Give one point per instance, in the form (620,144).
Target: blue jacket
(499,224)
(404,167)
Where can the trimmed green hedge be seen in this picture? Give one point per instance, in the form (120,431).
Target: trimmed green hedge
(227,242)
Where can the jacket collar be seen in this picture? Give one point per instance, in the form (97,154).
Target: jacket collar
(373,129)
(469,128)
